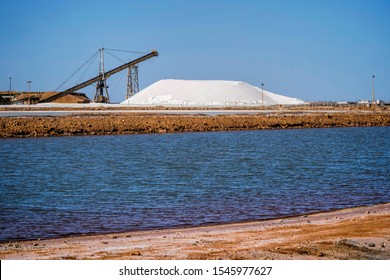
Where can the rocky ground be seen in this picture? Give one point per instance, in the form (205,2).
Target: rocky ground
(131,123)
(356,233)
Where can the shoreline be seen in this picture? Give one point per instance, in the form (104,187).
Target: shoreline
(140,123)
(183,227)
(352,233)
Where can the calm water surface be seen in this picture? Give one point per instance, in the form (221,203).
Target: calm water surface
(73,185)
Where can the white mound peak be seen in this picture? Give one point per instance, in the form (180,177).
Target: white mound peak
(203,93)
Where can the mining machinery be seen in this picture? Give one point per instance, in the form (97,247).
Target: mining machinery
(101,87)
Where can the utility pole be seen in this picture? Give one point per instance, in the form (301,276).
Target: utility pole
(29,84)
(373,90)
(10,88)
(262,95)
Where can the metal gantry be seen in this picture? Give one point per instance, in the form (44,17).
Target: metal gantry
(101,86)
(101,95)
(132,81)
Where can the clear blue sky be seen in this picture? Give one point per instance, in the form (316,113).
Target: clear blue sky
(313,50)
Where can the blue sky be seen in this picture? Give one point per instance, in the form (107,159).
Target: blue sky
(313,50)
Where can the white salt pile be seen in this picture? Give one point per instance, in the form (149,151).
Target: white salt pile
(203,93)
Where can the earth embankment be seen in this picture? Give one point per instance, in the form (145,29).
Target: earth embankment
(134,123)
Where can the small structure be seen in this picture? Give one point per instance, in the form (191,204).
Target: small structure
(6,97)
(14,97)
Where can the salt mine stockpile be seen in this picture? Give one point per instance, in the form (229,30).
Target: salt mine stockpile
(204,93)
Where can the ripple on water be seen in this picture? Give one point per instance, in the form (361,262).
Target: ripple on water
(74,185)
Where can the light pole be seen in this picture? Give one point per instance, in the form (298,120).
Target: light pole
(29,84)
(10,79)
(373,90)
(262,95)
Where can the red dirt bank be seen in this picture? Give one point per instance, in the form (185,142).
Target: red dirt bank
(131,123)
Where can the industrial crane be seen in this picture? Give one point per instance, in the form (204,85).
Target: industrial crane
(100,79)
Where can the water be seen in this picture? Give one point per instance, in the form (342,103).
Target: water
(75,185)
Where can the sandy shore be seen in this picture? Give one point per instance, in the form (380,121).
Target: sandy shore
(356,233)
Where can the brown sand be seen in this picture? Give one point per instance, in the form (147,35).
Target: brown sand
(356,233)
